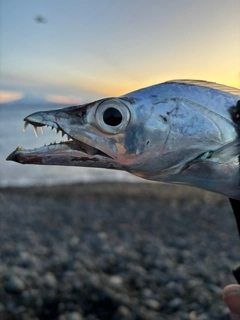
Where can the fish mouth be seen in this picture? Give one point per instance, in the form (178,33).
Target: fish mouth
(72,143)
(72,152)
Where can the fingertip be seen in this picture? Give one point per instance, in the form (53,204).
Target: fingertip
(231,289)
(231,296)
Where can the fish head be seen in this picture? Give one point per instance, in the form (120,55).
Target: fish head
(108,133)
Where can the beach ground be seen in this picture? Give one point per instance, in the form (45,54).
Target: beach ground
(115,251)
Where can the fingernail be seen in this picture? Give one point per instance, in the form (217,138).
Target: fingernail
(235,290)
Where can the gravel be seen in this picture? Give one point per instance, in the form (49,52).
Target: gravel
(115,252)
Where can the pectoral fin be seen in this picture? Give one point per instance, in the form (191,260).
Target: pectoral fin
(227,154)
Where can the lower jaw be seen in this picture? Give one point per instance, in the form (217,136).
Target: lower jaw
(62,154)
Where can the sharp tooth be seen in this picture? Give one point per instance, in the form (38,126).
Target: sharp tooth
(25,126)
(35,131)
(41,129)
(20,149)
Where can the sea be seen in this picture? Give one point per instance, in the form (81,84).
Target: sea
(12,136)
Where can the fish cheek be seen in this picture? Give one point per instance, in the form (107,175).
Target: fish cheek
(135,139)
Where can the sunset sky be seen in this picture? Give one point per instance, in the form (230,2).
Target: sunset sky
(79,50)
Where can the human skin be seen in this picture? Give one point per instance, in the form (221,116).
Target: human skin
(231,296)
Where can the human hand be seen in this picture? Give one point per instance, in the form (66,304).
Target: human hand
(231,296)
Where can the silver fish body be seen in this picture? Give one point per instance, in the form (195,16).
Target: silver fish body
(185,132)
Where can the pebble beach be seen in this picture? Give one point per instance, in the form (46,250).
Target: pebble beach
(115,251)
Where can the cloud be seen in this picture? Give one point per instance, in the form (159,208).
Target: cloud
(7,96)
(81,90)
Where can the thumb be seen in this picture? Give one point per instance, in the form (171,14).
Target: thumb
(231,296)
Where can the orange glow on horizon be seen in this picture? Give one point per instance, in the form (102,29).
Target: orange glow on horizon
(8,96)
(62,99)
(122,88)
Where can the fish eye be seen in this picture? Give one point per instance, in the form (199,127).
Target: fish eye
(112,116)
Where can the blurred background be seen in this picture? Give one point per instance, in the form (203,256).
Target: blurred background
(101,251)
(57,53)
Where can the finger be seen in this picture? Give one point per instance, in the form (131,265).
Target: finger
(231,296)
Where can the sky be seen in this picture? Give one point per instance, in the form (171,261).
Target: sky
(80,50)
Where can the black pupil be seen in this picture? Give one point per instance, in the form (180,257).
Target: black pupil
(112,117)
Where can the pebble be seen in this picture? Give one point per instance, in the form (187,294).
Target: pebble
(122,313)
(146,293)
(32,298)
(50,280)
(116,280)
(74,242)
(175,303)
(203,316)
(71,316)
(15,285)
(153,304)
(193,315)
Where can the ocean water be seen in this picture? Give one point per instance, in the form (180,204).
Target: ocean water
(15,174)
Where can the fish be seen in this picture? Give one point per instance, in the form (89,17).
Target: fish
(180,131)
